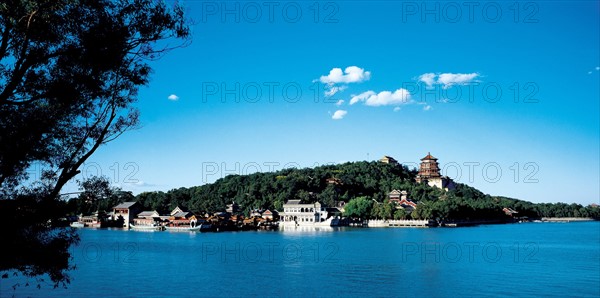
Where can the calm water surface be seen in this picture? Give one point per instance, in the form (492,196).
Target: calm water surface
(541,259)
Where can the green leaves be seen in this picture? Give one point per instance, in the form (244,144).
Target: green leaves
(359,208)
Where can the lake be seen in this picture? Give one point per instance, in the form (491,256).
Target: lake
(541,259)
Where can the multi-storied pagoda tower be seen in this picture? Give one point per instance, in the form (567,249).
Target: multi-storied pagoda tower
(429,168)
(429,172)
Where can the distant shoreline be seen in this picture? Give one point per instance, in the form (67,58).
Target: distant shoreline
(566,219)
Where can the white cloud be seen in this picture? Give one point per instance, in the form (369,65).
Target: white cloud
(448,80)
(139,184)
(597,67)
(173,97)
(589,72)
(361,97)
(383,98)
(427,108)
(396,109)
(339,114)
(334,89)
(427,78)
(339,102)
(353,74)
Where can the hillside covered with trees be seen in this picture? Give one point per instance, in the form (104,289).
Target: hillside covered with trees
(364,184)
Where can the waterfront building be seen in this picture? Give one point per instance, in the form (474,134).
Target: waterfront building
(96,220)
(270,215)
(295,213)
(147,219)
(181,217)
(148,214)
(126,211)
(256,213)
(429,172)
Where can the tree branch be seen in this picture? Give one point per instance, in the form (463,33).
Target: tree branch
(70,171)
(5,41)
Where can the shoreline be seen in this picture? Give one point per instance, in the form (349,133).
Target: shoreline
(402,224)
(567,219)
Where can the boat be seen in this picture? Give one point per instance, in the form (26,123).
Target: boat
(147,227)
(77,224)
(329,222)
(192,227)
(206,227)
(270,225)
(183,228)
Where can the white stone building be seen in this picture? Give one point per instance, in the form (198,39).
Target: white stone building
(303,214)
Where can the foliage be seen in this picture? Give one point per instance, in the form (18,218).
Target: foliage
(33,243)
(97,195)
(70,71)
(271,190)
(360,207)
(69,74)
(373,180)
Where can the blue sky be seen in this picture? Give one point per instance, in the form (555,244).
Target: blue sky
(452,72)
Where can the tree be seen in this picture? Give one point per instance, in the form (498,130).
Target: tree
(358,208)
(95,189)
(400,214)
(69,74)
(376,211)
(97,195)
(387,210)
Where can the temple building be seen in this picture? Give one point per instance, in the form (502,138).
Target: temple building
(429,172)
(400,198)
(388,159)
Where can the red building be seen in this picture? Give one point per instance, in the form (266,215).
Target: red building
(401,199)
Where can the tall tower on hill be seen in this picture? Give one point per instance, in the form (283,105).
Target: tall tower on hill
(429,172)
(429,168)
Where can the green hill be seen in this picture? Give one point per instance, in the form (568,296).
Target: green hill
(370,180)
(364,184)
